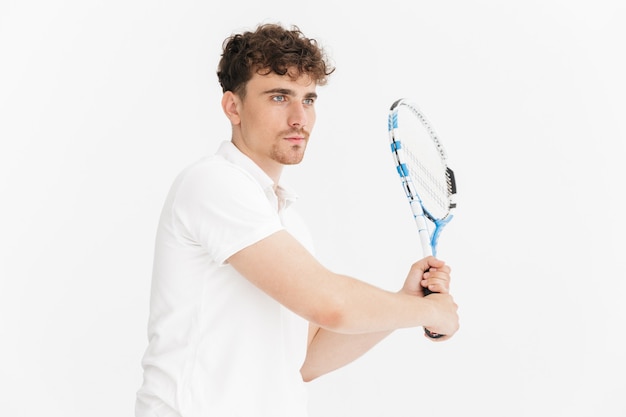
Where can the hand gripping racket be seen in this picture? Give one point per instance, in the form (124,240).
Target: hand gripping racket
(426,178)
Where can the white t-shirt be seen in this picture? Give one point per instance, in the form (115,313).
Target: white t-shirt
(219,346)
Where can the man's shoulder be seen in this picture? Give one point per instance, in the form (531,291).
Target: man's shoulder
(212,167)
(213,175)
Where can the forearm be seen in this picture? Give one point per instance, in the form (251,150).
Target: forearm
(329,351)
(362,308)
(287,272)
(361,328)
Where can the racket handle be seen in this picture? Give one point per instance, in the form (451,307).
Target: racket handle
(430,334)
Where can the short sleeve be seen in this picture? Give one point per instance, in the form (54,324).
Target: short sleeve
(222,208)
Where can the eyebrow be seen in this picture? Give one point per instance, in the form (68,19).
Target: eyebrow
(288,92)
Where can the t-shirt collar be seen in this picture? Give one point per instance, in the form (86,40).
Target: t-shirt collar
(232,154)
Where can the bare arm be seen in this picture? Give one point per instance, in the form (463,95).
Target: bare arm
(340,305)
(328,350)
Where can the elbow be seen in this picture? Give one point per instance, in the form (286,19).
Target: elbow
(335,306)
(307,376)
(310,372)
(332,315)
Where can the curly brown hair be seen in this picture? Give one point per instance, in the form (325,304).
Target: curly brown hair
(270,48)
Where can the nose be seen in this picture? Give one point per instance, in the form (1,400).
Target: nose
(297,115)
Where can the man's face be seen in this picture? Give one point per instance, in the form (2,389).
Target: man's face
(275,117)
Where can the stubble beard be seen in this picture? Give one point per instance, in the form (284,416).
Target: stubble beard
(287,153)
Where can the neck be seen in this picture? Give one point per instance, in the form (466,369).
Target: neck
(272,168)
(274,174)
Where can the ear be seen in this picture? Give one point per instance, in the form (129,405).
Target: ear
(230,106)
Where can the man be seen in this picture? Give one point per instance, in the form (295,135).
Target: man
(241,313)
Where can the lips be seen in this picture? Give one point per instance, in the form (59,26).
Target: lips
(296,138)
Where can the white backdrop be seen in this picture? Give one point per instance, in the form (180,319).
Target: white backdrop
(103,102)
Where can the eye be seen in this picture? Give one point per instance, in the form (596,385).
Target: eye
(279,99)
(308,101)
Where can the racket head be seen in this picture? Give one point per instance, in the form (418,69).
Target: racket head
(421,162)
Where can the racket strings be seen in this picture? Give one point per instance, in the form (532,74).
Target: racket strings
(435,186)
(431,131)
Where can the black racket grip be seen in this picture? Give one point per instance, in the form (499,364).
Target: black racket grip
(430,334)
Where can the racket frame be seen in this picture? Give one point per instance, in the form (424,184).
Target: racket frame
(428,239)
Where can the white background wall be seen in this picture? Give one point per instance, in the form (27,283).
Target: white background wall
(103,102)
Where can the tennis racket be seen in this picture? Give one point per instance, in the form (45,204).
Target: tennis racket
(427,180)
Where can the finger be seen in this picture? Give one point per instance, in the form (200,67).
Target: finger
(437,287)
(436,281)
(440,267)
(434,262)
